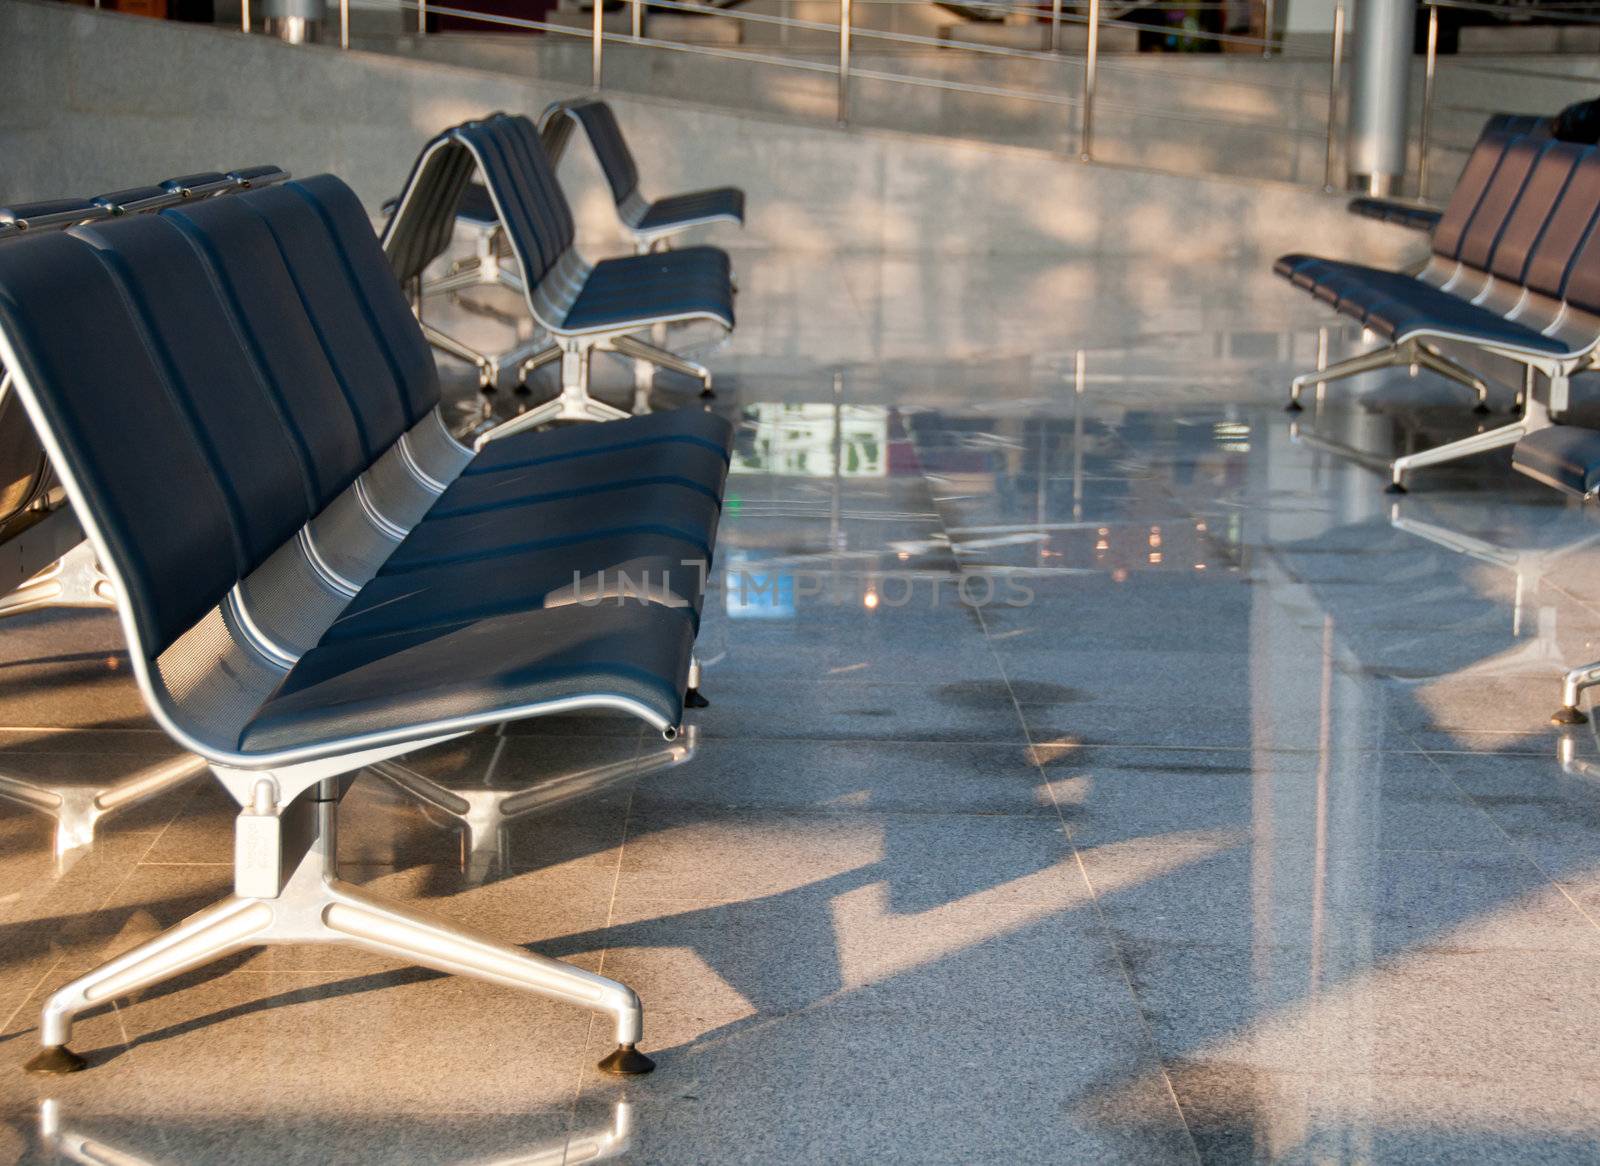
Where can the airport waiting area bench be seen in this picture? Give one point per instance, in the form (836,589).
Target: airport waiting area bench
(313,575)
(1514,272)
(577,307)
(45,561)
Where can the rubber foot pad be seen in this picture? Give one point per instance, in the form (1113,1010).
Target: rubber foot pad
(627,1061)
(1294,407)
(1566,716)
(705,393)
(1481,409)
(1394,488)
(56,1062)
(694,700)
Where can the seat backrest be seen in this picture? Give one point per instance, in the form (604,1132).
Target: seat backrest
(1482,165)
(610,148)
(180,439)
(1545,188)
(522,183)
(424,219)
(1483,229)
(1568,229)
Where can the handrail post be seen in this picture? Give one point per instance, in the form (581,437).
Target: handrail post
(595,63)
(244,16)
(1091,65)
(844,61)
(1426,130)
(638,19)
(1055,26)
(422,17)
(1269,18)
(1335,83)
(344,24)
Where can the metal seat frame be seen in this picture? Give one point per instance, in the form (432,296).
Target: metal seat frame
(286,885)
(437,180)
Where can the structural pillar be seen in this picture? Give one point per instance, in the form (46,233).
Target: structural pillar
(1376,145)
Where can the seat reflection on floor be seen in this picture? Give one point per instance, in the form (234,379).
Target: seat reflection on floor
(67,1141)
(485,813)
(1531,559)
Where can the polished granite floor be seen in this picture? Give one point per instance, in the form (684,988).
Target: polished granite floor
(1097,770)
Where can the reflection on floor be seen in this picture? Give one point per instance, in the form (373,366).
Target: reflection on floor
(1094,772)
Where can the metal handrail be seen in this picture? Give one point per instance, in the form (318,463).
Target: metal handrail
(1050,16)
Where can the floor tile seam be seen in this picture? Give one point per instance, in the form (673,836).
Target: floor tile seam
(1519,848)
(1151,1047)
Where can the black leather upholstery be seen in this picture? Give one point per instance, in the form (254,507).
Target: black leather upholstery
(1524,212)
(628,293)
(250,356)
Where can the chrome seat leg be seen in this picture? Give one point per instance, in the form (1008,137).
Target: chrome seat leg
(1435,361)
(1572,686)
(205,937)
(1455,450)
(692,698)
(310,905)
(639,350)
(1365,362)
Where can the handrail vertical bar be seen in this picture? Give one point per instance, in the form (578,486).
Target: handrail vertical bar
(344,24)
(244,16)
(422,17)
(1426,131)
(1269,18)
(1091,66)
(1055,26)
(595,62)
(844,61)
(1335,84)
(638,19)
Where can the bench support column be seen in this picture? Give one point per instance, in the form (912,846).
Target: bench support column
(287,891)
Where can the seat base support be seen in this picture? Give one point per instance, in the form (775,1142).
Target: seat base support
(311,905)
(1411,352)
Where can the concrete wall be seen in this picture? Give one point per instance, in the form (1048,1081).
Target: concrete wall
(94,101)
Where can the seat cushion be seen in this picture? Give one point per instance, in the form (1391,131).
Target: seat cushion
(1398,306)
(1418,218)
(640,290)
(479,672)
(1421,310)
(676,511)
(643,567)
(1564,456)
(723,203)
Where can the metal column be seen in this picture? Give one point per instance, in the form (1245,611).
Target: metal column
(1376,153)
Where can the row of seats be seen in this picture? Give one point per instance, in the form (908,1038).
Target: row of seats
(1514,272)
(313,574)
(526,241)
